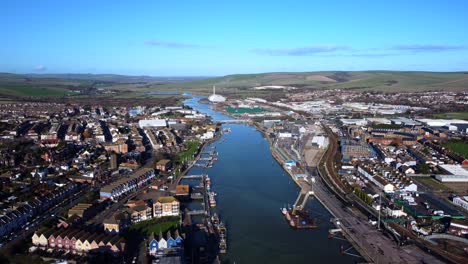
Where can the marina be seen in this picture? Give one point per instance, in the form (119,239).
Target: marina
(251,188)
(209,222)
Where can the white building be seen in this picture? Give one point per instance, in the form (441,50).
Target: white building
(216,98)
(461,201)
(207,135)
(284,135)
(358,122)
(320,141)
(454,169)
(451,178)
(410,188)
(152,123)
(394,212)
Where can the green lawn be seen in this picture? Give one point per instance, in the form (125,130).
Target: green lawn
(243,110)
(156,225)
(27,90)
(458,147)
(192,147)
(459,115)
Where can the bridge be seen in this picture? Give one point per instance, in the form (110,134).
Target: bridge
(194,176)
(234,121)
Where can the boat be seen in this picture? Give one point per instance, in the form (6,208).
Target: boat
(215,219)
(284,211)
(288,216)
(291,222)
(222,246)
(212,200)
(222,231)
(210,227)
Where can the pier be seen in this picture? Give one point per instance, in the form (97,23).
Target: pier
(197,212)
(211,153)
(302,199)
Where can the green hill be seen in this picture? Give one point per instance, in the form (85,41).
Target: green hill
(40,85)
(385,81)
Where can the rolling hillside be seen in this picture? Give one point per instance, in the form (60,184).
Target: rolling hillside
(53,85)
(56,85)
(385,81)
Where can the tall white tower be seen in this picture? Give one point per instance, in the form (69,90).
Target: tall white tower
(214,98)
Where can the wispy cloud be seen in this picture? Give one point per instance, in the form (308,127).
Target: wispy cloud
(171,44)
(360,55)
(301,51)
(40,68)
(428,47)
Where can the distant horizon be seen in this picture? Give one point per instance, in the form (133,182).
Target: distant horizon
(213,38)
(214,76)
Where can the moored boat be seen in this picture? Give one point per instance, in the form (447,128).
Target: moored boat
(211,196)
(291,222)
(288,216)
(284,211)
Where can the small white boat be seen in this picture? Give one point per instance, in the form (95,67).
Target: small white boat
(284,211)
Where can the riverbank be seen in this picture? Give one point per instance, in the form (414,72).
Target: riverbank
(251,189)
(198,155)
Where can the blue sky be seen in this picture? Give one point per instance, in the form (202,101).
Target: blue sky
(182,38)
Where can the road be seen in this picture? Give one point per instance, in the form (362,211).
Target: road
(371,243)
(29,230)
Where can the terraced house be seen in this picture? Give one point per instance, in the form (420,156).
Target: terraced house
(76,241)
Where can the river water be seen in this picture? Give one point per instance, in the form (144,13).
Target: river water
(251,188)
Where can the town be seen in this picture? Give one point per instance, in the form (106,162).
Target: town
(92,182)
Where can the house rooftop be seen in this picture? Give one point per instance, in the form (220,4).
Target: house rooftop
(167,199)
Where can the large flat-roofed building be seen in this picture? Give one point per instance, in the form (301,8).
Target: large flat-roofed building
(456,173)
(451,178)
(454,169)
(152,123)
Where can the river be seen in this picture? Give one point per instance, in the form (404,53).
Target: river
(251,188)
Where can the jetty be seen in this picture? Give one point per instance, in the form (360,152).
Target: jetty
(197,212)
